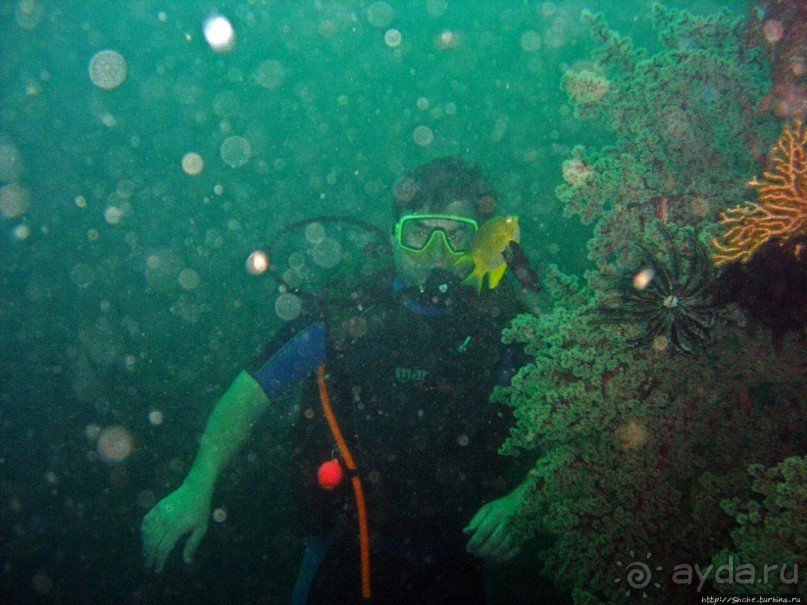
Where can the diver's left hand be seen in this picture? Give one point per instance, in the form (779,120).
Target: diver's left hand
(490,530)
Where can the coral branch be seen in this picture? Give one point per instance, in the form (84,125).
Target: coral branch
(781,213)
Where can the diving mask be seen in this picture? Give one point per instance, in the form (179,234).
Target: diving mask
(418,232)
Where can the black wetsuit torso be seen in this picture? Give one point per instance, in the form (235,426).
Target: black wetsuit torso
(410,391)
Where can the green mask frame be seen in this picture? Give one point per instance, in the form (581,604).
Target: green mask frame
(413,235)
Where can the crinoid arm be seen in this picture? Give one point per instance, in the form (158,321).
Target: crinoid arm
(676,304)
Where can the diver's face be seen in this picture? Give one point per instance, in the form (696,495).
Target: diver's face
(414,267)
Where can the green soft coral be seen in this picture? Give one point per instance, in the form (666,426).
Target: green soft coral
(637,447)
(771,527)
(687,134)
(628,438)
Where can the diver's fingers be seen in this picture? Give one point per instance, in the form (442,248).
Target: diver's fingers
(150,531)
(193,542)
(513,552)
(478,518)
(499,547)
(482,526)
(493,543)
(164,548)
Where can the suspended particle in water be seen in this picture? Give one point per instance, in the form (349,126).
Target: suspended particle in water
(773,31)
(297,261)
(10,162)
(220,515)
(219,33)
(288,306)
(269,74)
(115,444)
(257,262)
(146,499)
(107,69)
(447,39)
(643,278)
(235,151)
(530,41)
(21,232)
(113,215)
(82,275)
(91,431)
(192,163)
(42,583)
(436,8)
(188,279)
(357,326)
(423,136)
(29,13)
(380,14)
(392,38)
(14,200)
(327,253)
(463,440)
(487,204)
(314,233)
(632,435)
(659,343)
(155,417)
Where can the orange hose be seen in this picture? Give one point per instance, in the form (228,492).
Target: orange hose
(361,508)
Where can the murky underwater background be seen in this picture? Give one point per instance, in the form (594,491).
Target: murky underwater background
(140,167)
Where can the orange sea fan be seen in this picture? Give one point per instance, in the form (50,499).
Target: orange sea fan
(781,213)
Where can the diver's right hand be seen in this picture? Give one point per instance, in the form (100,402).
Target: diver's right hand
(186,510)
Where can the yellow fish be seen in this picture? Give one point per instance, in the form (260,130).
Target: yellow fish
(486,250)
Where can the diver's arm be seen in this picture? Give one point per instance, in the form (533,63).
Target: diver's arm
(186,510)
(227,428)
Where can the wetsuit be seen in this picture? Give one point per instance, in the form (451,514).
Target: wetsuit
(409,383)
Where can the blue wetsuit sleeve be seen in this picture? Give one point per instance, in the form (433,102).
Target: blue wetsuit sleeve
(293,361)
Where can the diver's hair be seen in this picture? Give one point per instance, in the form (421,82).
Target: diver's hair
(433,186)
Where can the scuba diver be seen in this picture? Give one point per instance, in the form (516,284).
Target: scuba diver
(405,497)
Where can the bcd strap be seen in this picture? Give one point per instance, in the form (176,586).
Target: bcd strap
(361,509)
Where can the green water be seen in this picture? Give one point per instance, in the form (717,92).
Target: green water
(124,287)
